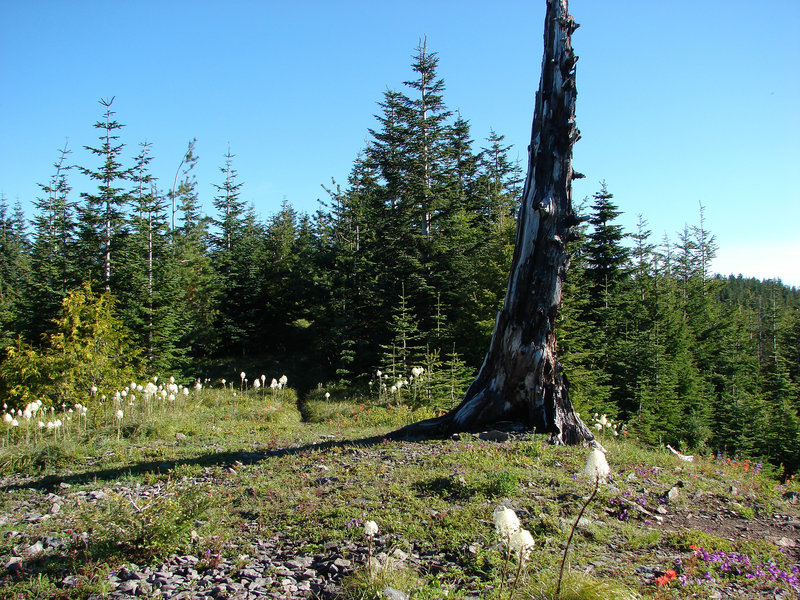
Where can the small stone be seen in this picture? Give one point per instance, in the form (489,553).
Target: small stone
(672,494)
(785,542)
(14,565)
(398,554)
(298,564)
(128,587)
(249,573)
(126,574)
(342,563)
(494,436)
(55,508)
(392,594)
(145,588)
(180,436)
(33,549)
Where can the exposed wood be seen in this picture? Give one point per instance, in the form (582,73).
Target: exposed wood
(521,379)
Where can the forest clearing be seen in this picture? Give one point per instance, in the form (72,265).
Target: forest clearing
(222,407)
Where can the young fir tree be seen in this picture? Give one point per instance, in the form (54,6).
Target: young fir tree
(150,302)
(350,325)
(14,271)
(404,350)
(231,211)
(577,335)
(235,256)
(191,264)
(53,260)
(606,270)
(101,217)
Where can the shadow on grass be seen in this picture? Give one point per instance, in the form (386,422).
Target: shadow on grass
(49,483)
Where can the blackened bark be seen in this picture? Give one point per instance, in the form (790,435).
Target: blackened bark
(521,379)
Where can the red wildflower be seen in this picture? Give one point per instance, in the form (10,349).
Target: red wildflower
(666,577)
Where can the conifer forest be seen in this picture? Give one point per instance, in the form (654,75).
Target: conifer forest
(403,267)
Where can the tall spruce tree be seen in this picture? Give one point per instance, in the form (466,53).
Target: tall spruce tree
(101,217)
(53,255)
(14,270)
(192,263)
(150,302)
(606,270)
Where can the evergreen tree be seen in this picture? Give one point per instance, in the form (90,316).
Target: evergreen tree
(577,335)
(14,270)
(53,255)
(101,217)
(404,349)
(235,256)
(606,270)
(191,264)
(150,301)
(230,208)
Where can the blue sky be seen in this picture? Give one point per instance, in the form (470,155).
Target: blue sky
(679,103)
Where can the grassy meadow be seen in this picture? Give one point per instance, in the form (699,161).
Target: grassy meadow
(213,471)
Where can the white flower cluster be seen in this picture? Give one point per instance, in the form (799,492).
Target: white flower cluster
(13,416)
(509,530)
(603,423)
(150,391)
(278,384)
(596,468)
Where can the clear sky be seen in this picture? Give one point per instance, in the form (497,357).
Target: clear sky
(679,103)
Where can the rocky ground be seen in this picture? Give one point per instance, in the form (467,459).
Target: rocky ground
(279,566)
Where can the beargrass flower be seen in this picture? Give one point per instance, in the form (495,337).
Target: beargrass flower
(506,522)
(596,467)
(120,414)
(256,384)
(370,529)
(522,543)
(8,418)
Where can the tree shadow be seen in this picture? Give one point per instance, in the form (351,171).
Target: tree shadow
(50,483)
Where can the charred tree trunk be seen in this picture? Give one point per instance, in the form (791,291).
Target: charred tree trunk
(521,379)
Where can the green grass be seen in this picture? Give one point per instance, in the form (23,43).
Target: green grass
(221,471)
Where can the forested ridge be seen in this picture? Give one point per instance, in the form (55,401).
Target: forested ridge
(405,266)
